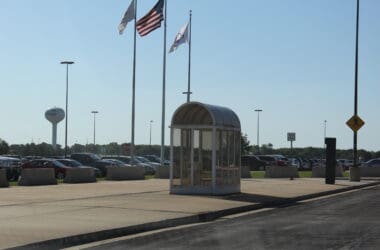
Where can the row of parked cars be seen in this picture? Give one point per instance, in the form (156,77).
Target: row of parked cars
(259,162)
(14,165)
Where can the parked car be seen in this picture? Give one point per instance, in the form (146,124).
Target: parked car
(372,163)
(274,160)
(253,162)
(317,163)
(345,164)
(299,163)
(281,160)
(102,166)
(149,170)
(12,167)
(349,163)
(17,157)
(86,159)
(155,158)
(340,162)
(295,162)
(59,168)
(32,157)
(269,160)
(118,162)
(123,158)
(305,164)
(93,160)
(76,164)
(155,165)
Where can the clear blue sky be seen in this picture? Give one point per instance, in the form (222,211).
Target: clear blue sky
(292,58)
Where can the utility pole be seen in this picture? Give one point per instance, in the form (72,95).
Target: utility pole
(94,112)
(67,63)
(258,129)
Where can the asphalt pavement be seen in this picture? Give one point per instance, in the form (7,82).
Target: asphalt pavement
(346,221)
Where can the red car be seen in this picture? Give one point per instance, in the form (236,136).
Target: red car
(59,168)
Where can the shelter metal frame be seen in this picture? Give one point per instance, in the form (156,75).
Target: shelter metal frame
(192,126)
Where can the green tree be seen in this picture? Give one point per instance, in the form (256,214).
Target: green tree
(113,148)
(4,147)
(267,149)
(376,155)
(78,148)
(245,147)
(96,149)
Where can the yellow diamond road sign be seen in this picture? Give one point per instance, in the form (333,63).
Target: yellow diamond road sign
(355,123)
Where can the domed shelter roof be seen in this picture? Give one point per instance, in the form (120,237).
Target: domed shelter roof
(196,113)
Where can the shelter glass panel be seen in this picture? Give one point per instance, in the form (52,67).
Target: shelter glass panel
(176,161)
(185,157)
(221,157)
(235,151)
(202,157)
(227,154)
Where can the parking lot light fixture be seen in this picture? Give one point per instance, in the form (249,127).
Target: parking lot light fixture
(150,132)
(94,113)
(258,129)
(67,63)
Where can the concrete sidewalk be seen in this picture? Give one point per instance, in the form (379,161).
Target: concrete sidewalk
(35,214)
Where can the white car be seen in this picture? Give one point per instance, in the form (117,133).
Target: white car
(294,162)
(12,167)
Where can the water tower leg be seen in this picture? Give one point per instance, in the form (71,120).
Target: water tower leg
(54,136)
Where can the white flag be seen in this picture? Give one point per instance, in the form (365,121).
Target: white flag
(128,16)
(181,37)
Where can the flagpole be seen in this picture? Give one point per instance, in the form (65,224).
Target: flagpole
(163,92)
(133,91)
(188,74)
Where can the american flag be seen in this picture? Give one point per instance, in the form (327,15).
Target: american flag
(152,20)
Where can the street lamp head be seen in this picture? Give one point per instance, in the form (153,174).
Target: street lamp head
(94,112)
(67,62)
(258,110)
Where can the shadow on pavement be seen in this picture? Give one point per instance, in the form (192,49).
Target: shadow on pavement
(264,200)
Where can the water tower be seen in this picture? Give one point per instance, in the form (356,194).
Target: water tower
(55,115)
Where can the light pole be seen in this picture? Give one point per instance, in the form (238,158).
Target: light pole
(150,132)
(187,93)
(94,112)
(324,140)
(324,133)
(354,172)
(258,129)
(67,98)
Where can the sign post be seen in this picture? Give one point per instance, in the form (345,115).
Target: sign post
(355,123)
(291,138)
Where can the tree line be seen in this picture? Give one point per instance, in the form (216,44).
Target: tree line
(113,148)
(46,150)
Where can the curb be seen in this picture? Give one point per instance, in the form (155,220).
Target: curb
(82,239)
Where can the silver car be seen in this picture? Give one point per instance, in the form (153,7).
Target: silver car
(372,163)
(155,165)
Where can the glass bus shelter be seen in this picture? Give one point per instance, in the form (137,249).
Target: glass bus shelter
(205,150)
